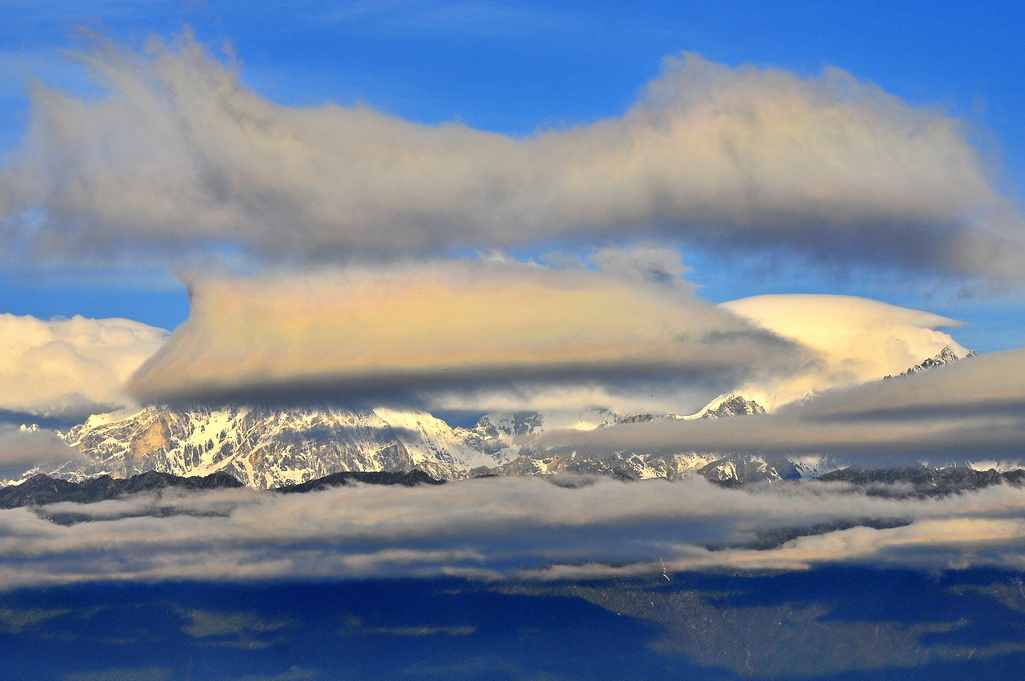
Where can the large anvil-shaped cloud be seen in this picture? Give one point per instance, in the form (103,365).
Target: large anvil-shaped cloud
(372,333)
(178,155)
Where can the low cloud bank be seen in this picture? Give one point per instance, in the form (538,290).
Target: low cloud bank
(502,528)
(178,156)
(967,411)
(24,446)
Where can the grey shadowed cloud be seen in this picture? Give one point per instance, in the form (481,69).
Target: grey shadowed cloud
(179,156)
(500,528)
(971,410)
(22,447)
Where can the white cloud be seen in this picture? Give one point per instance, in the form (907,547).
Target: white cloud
(70,367)
(987,385)
(503,335)
(180,156)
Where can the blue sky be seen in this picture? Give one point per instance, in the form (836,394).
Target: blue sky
(516,68)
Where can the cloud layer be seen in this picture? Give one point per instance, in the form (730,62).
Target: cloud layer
(443,327)
(501,528)
(178,155)
(68,368)
(968,411)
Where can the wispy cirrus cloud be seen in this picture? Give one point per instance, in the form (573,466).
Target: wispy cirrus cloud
(455,19)
(179,153)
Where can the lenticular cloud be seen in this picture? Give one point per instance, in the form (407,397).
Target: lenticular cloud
(858,340)
(374,332)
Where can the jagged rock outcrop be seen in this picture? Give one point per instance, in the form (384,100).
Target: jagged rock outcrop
(42,489)
(921,481)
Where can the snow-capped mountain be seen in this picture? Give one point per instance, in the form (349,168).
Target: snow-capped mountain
(506,435)
(732,404)
(738,470)
(945,356)
(265,447)
(268,448)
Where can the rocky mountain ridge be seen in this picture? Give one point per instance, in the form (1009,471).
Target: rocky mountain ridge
(42,490)
(922,482)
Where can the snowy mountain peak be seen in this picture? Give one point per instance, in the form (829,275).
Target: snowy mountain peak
(737,470)
(729,405)
(943,357)
(269,448)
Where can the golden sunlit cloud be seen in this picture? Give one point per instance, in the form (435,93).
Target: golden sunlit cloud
(70,367)
(366,331)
